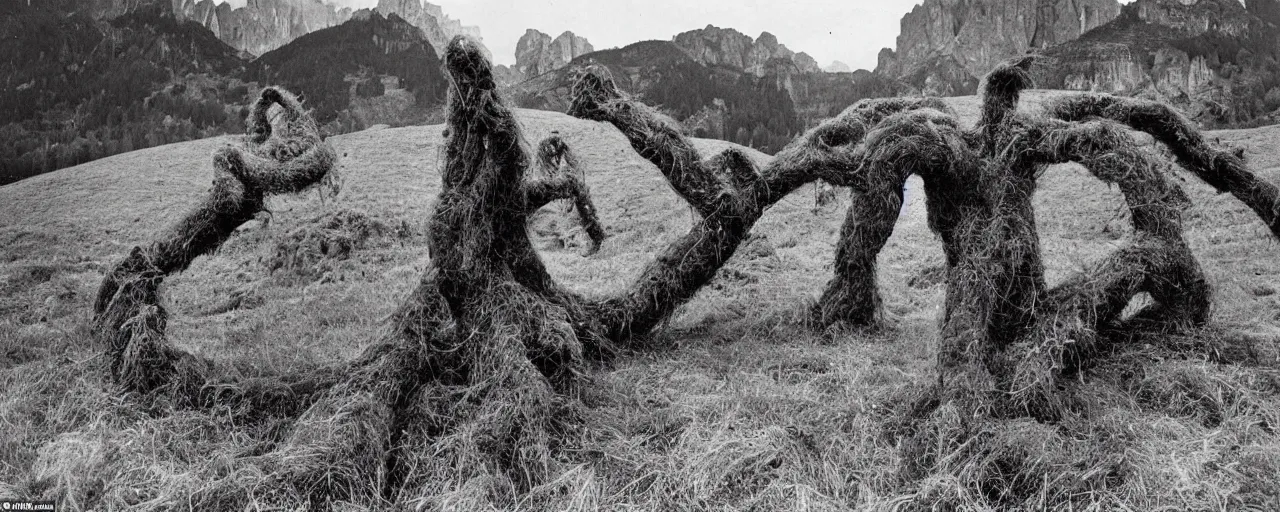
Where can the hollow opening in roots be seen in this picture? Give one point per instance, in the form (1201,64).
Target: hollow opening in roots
(640,213)
(555,230)
(1139,302)
(1079,219)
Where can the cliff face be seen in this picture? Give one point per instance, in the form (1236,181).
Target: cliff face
(264,25)
(728,47)
(98,9)
(538,53)
(1217,60)
(261,25)
(945,45)
(438,27)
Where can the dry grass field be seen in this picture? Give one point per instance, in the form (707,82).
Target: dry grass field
(736,407)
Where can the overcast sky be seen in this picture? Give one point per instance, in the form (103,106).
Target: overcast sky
(852,31)
(849,31)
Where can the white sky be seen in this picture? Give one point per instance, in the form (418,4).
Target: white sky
(852,31)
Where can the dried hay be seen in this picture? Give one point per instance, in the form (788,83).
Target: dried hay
(310,250)
(469,397)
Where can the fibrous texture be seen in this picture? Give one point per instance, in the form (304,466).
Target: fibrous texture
(128,315)
(468,391)
(1007,340)
(563,180)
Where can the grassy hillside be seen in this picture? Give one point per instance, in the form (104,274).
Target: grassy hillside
(739,409)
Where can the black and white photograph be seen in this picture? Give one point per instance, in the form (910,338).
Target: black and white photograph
(639,255)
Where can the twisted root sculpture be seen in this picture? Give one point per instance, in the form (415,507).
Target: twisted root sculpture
(472,375)
(1007,339)
(128,315)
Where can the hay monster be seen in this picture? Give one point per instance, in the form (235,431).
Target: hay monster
(1007,340)
(467,395)
(467,382)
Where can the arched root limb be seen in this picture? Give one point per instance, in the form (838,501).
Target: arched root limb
(730,196)
(128,316)
(1224,170)
(1071,329)
(925,142)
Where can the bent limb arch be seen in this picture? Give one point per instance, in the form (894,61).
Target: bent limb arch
(730,196)
(474,375)
(128,316)
(1223,170)
(923,142)
(1072,328)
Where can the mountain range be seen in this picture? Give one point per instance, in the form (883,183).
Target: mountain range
(90,78)
(1217,60)
(79,87)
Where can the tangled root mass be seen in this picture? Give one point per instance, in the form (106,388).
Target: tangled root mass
(476,366)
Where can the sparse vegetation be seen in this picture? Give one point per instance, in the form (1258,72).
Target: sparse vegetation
(484,389)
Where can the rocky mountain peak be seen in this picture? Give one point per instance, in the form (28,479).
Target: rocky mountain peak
(805,63)
(837,67)
(945,45)
(1216,60)
(438,27)
(264,25)
(261,25)
(538,53)
(767,40)
(727,47)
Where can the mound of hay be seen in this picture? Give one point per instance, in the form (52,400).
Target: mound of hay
(309,250)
